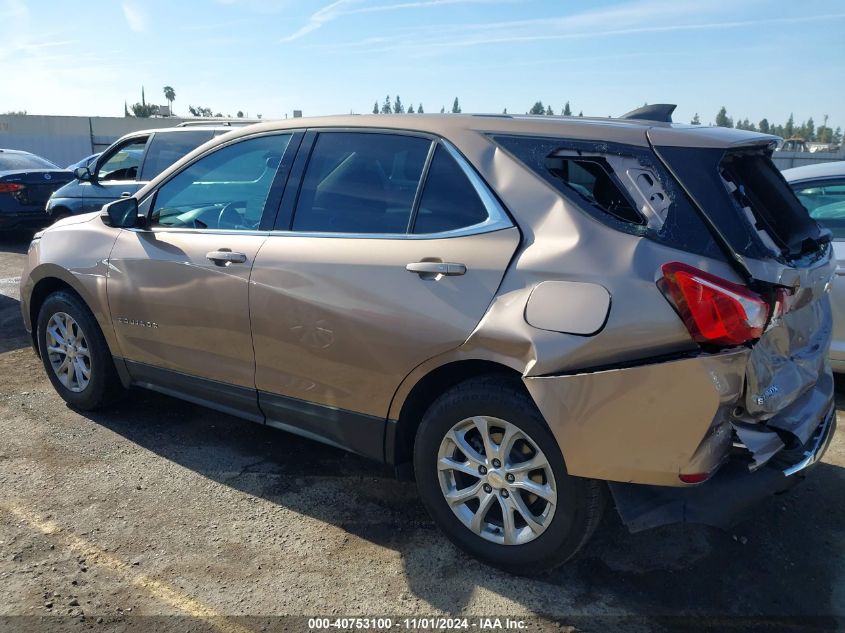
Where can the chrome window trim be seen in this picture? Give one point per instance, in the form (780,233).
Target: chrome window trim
(464,232)
(164,229)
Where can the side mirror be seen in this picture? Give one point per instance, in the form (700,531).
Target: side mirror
(82,173)
(121,214)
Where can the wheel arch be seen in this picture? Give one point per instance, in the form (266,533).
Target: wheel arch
(401,429)
(50,278)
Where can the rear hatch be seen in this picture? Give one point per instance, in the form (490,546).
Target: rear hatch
(783,255)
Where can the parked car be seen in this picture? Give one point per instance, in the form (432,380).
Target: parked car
(26,182)
(821,189)
(85,162)
(522,312)
(126,166)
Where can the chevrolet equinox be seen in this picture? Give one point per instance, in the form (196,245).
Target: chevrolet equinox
(531,316)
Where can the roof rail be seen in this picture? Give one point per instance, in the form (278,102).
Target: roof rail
(660,112)
(226,123)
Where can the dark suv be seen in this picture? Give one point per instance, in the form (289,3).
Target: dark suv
(126,166)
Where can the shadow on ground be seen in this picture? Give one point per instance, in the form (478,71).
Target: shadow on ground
(785,562)
(15,241)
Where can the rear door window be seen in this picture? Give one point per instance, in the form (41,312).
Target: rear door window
(168,147)
(449,200)
(825,200)
(360,182)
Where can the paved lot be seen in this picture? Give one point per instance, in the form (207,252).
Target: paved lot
(158,507)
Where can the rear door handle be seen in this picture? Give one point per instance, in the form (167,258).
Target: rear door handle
(225,257)
(432,269)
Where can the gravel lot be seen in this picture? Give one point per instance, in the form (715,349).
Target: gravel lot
(162,508)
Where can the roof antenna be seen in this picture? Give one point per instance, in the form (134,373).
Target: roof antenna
(660,112)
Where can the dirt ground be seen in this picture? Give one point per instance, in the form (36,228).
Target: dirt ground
(162,508)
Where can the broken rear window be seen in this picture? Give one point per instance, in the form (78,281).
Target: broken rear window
(591,179)
(769,204)
(623,186)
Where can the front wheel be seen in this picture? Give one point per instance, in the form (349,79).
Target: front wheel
(75,353)
(492,476)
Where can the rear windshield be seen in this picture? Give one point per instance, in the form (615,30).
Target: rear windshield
(747,200)
(168,147)
(757,186)
(24,161)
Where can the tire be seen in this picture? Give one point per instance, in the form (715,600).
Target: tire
(102,385)
(562,528)
(59,214)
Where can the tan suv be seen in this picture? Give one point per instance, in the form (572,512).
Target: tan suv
(523,312)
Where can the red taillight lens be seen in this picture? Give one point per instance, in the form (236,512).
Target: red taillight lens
(694,478)
(10,187)
(715,311)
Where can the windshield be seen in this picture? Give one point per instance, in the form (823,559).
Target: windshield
(825,200)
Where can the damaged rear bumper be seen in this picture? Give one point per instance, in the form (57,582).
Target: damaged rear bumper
(728,496)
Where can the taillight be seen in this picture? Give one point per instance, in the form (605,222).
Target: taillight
(714,310)
(10,187)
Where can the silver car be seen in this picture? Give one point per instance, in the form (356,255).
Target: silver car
(821,188)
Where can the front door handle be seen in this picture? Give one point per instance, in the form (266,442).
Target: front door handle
(428,270)
(225,257)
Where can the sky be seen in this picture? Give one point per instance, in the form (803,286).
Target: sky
(759,58)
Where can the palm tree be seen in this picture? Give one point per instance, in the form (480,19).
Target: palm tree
(170,95)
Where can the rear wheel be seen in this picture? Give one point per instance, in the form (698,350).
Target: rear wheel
(59,214)
(74,352)
(493,478)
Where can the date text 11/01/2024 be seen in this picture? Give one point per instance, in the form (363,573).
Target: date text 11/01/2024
(418,624)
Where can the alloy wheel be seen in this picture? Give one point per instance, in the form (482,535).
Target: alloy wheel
(496,480)
(68,352)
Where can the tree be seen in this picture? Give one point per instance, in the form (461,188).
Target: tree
(810,130)
(695,120)
(789,128)
(385,107)
(505,111)
(411,109)
(240,114)
(170,95)
(420,110)
(566,110)
(722,118)
(144,110)
(581,113)
(442,109)
(456,107)
(549,111)
(199,111)
(537,108)
(375,107)
(837,136)
(398,108)
(763,125)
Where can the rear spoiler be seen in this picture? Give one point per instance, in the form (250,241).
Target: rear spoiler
(659,112)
